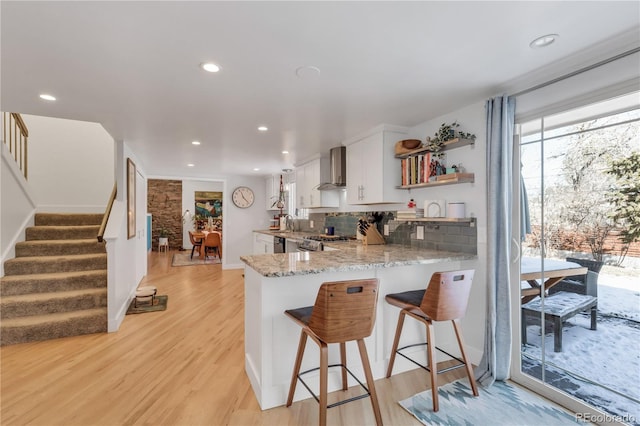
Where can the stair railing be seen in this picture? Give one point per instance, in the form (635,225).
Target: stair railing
(105,218)
(15,136)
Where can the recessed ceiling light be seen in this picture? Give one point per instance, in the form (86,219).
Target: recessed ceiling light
(190,165)
(195,143)
(256,169)
(210,67)
(47,97)
(543,41)
(263,128)
(285,152)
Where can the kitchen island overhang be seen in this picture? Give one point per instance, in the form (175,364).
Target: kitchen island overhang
(276,282)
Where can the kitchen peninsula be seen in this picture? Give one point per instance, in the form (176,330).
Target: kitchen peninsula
(276,282)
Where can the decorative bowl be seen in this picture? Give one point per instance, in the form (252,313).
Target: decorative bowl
(411,143)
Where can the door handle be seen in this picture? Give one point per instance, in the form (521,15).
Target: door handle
(516,251)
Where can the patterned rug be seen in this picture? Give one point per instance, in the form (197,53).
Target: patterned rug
(184,259)
(501,404)
(159,304)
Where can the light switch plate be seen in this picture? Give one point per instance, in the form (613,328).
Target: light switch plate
(420,232)
(386,230)
(310,224)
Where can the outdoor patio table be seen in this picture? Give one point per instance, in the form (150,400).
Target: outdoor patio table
(553,271)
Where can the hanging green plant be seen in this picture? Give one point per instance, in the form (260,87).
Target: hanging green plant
(445,133)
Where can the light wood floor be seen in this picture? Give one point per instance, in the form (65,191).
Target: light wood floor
(182,366)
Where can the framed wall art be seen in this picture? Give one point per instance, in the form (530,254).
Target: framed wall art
(131,199)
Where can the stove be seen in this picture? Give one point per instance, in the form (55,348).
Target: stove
(327,238)
(310,245)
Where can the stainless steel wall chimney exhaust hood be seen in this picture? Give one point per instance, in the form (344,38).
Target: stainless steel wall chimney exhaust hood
(338,164)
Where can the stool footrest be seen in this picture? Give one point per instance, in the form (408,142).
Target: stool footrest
(424,367)
(344,401)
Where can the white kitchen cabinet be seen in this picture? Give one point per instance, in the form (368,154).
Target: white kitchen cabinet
(308,177)
(372,169)
(272,191)
(262,243)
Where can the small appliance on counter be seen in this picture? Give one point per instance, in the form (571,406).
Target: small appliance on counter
(456,210)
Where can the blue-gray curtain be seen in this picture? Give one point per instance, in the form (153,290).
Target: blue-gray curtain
(496,359)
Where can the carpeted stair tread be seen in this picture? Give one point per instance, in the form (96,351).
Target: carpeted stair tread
(46,264)
(53,326)
(54,281)
(59,247)
(57,219)
(61,232)
(56,286)
(48,303)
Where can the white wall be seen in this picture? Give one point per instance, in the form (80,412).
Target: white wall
(17,206)
(473,159)
(71,164)
(125,266)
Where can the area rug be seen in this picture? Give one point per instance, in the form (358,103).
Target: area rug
(159,304)
(184,259)
(501,404)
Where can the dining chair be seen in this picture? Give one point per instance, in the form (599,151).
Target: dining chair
(195,242)
(445,299)
(213,241)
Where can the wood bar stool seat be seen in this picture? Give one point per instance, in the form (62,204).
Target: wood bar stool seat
(343,311)
(445,299)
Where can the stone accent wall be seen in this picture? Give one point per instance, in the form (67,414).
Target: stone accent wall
(164,203)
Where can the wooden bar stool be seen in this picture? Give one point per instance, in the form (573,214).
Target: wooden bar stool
(344,311)
(445,299)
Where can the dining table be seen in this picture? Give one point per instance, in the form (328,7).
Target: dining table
(202,235)
(541,275)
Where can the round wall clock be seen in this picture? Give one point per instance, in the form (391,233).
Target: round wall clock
(242,197)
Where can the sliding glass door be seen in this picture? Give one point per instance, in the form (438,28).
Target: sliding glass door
(579,283)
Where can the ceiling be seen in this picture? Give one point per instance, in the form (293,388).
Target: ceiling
(134,68)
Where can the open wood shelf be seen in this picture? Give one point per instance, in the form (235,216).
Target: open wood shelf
(465,178)
(450,144)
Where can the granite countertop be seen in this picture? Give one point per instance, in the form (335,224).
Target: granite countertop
(349,255)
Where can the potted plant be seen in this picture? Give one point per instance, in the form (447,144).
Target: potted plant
(163,236)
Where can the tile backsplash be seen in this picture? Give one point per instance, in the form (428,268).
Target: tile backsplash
(450,236)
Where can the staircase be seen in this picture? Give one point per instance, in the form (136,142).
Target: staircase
(57,284)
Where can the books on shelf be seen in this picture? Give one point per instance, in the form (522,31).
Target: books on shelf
(421,168)
(408,214)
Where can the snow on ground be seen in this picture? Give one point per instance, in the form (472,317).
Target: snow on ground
(609,355)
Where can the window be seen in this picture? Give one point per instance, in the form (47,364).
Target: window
(567,161)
